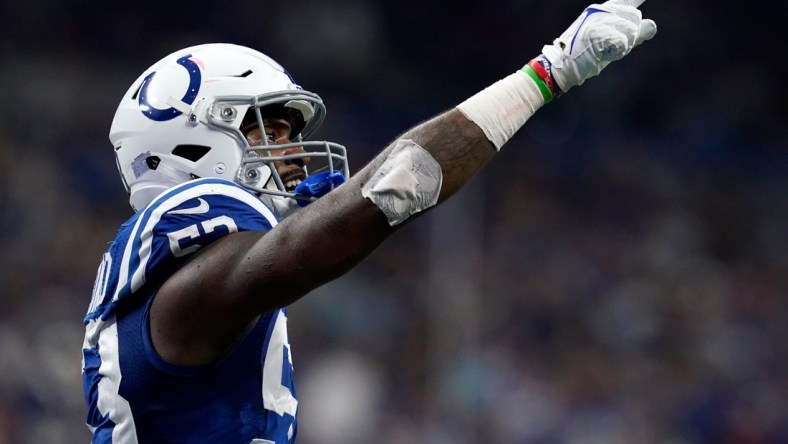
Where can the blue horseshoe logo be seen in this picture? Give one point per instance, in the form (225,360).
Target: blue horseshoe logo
(163,115)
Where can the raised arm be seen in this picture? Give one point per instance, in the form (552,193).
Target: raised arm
(230,283)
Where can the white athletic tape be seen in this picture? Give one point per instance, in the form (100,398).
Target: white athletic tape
(503,107)
(408,181)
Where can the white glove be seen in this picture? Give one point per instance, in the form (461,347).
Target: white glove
(602,34)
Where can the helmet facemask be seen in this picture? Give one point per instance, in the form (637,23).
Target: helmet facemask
(257,171)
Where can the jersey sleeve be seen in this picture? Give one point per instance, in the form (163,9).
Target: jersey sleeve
(159,238)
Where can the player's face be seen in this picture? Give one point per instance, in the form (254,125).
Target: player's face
(277,132)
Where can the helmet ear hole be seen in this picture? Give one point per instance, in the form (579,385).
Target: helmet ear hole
(152,162)
(191,152)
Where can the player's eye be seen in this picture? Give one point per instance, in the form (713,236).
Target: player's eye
(274,136)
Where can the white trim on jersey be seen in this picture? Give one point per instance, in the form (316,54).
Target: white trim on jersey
(110,402)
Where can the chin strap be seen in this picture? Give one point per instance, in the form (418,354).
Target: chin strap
(174,174)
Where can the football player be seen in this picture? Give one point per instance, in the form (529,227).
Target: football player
(238,214)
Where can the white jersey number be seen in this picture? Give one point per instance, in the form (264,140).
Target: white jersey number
(276,397)
(102,279)
(193,232)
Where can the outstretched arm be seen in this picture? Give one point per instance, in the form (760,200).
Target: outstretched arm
(203,309)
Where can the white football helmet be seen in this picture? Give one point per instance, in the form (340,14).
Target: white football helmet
(182,119)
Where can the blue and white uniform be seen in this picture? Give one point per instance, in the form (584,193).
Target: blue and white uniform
(134,396)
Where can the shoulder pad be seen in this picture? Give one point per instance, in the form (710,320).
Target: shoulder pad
(158,238)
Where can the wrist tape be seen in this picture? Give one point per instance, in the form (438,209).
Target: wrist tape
(503,108)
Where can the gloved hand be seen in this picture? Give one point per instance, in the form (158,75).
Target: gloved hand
(602,34)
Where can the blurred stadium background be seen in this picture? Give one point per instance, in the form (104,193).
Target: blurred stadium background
(619,274)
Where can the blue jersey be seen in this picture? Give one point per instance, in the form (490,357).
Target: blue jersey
(135,396)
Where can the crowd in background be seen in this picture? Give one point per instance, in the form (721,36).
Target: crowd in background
(618,274)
